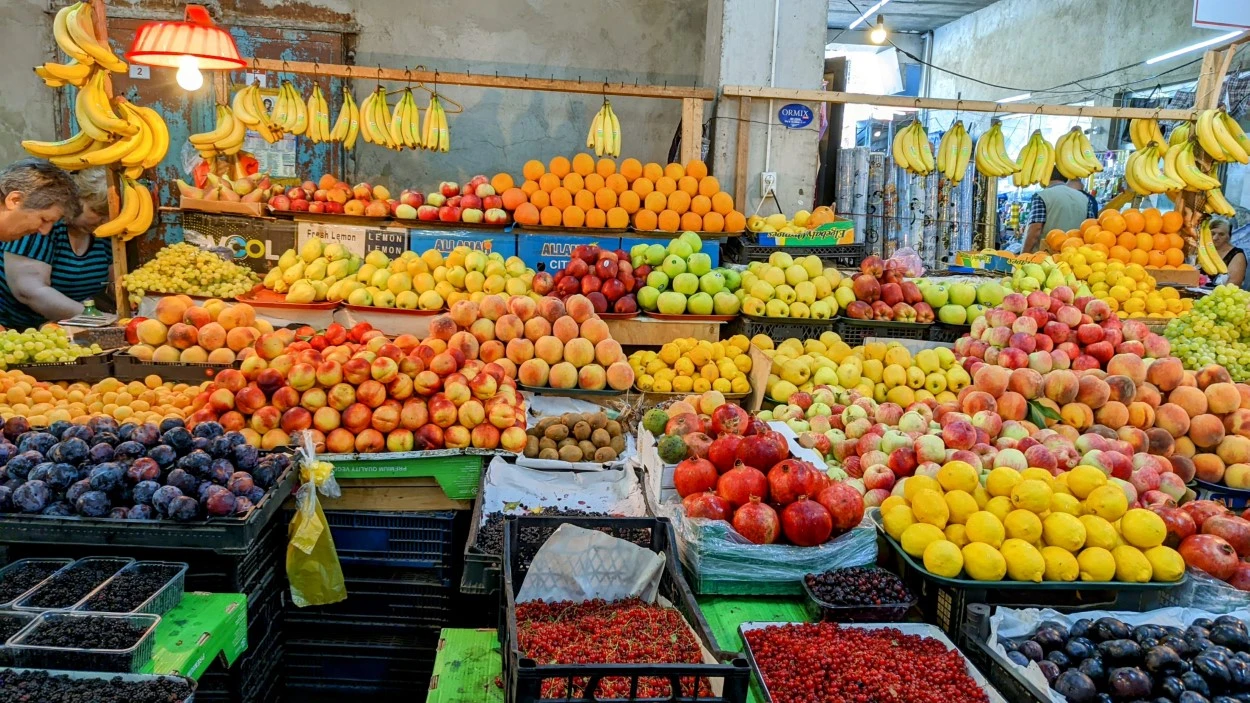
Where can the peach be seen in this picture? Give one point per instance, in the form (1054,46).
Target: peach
(212,336)
(1137,439)
(537,327)
(509,368)
(1113,414)
(1185,447)
(1141,415)
(513,439)
(580,308)
(1047,402)
(220,356)
(551,309)
(608,352)
(193,355)
(1237,422)
(1188,379)
(1172,418)
(1222,398)
(1243,390)
(1192,400)
(1148,394)
(142,352)
(400,388)
(486,436)
(1183,467)
(1212,373)
(152,332)
(442,327)
(509,327)
(1092,391)
(523,307)
(973,401)
(246,313)
(565,329)
(1206,430)
(457,391)
(620,376)
(1161,442)
(596,330)
(466,343)
(1121,388)
(1077,415)
(240,338)
(442,411)
(492,307)
(1012,406)
(1026,382)
(1234,449)
(464,313)
(1208,467)
(520,350)
(1165,373)
(549,349)
(413,414)
(562,375)
(197,316)
(170,310)
(472,413)
(991,379)
(283,398)
(182,335)
(533,373)
(165,354)
(502,415)
(483,330)
(579,352)
(592,377)
(231,317)
(1129,365)
(492,350)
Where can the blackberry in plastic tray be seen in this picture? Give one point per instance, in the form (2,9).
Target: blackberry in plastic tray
(24,578)
(85,633)
(10,623)
(72,585)
(130,589)
(490,537)
(30,686)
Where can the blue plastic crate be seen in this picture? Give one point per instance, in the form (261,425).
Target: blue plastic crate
(413,540)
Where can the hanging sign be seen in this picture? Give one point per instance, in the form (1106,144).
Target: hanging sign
(1222,14)
(795,115)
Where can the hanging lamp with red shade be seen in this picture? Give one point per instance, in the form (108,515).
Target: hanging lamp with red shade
(192,45)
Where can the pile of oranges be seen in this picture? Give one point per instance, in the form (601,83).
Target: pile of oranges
(1144,237)
(583,192)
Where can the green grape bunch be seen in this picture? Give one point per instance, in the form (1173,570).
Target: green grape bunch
(1215,331)
(188,269)
(43,346)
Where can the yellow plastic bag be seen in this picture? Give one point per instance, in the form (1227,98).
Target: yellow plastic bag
(312,564)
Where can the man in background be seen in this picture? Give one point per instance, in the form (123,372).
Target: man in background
(1058,206)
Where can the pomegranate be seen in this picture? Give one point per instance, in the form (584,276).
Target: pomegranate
(729,419)
(783,445)
(697,444)
(741,484)
(759,450)
(1210,553)
(844,503)
(683,424)
(789,479)
(756,427)
(724,451)
(1200,510)
(756,521)
(707,505)
(806,522)
(820,482)
(1241,577)
(1234,530)
(1178,522)
(694,476)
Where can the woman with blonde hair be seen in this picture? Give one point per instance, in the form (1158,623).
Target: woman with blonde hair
(47,278)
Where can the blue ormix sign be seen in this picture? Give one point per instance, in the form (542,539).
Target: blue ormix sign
(795,115)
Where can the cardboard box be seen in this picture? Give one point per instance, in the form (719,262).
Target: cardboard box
(551,252)
(223,207)
(840,231)
(711,247)
(1174,277)
(444,240)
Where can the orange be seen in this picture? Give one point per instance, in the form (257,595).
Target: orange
(561,198)
(540,199)
(1071,243)
(700,205)
(1145,242)
(629,201)
(643,187)
(1154,221)
(512,198)
(573,183)
(605,167)
(594,182)
(665,185)
(689,185)
(1172,222)
(617,183)
(1176,257)
(709,186)
(645,221)
(1133,221)
(669,221)
(574,217)
(691,222)
(652,171)
(1139,256)
(1087,223)
(533,170)
(596,218)
(1161,241)
(583,164)
(1127,240)
(655,202)
(526,214)
(679,202)
(1088,235)
(501,182)
(551,217)
(529,186)
(560,166)
(618,218)
(1175,241)
(713,222)
(1104,238)
(1099,248)
(1157,259)
(605,199)
(1112,222)
(631,169)
(584,199)
(696,169)
(723,203)
(734,221)
(1120,253)
(1054,238)
(674,171)
(549,182)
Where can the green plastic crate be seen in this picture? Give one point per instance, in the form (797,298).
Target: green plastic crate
(466,667)
(456,472)
(724,615)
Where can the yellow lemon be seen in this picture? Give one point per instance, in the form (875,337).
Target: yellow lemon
(914,484)
(1099,533)
(958,476)
(1024,562)
(981,496)
(898,519)
(1107,502)
(983,562)
(1082,480)
(1131,566)
(1032,495)
(999,507)
(943,558)
(957,534)
(891,502)
(917,536)
(1063,530)
(928,506)
(1035,474)
(1166,564)
(1064,503)
(983,527)
(1142,528)
(1000,481)
(1060,564)
(960,505)
(1021,524)
(1096,564)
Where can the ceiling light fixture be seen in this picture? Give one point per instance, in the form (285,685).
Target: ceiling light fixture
(192,45)
(868,14)
(1194,47)
(879,32)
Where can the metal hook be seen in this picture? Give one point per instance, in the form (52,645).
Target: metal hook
(408,76)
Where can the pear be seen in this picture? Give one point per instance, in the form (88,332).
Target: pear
(378,259)
(354,263)
(316,270)
(321,288)
(338,268)
(335,252)
(1055,279)
(311,251)
(301,292)
(332,293)
(288,259)
(274,275)
(365,273)
(360,296)
(294,273)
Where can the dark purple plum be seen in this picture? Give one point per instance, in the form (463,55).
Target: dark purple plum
(6,500)
(13,483)
(20,466)
(256,494)
(240,483)
(202,444)
(179,438)
(219,503)
(61,477)
(58,428)
(163,497)
(93,504)
(7,451)
(129,450)
(185,482)
(245,457)
(219,447)
(82,432)
(58,509)
(242,505)
(264,475)
(105,438)
(118,513)
(164,455)
(235,438)
(220,471)
(100,453)
(102,423)
(40,472)
(76,489)
(170,423)
(105,477)
(206,489)
(143,469)
(142,493)
(281,462)
(32,496)
(37,442)
(69,451)
(208,430)
(197,463)
(147,434)
(184,509)
(126,432)
(141,512)
(15,427)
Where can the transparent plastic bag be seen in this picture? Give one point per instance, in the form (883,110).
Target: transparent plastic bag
(1205,592)
(913,266)
(312,563)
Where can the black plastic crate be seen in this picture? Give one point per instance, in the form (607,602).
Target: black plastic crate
(386,595)
(746,248)
(414,540)
(88,369)
(361,655)
(942,332)
(854,332)
(523,677)
(1012,686)
(311,690)
(481,574)
(792,328)
(128,368)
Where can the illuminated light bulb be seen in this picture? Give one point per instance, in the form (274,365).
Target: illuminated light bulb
(189,76)
(878,33)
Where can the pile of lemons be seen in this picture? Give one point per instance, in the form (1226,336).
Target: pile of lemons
(694,366)
(1028,526)
(1128,288)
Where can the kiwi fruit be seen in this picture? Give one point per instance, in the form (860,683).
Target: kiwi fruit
(531,447)
(587,448)
(598,421)
(613,427)
(546,443)
(566,442)
(556,432)
(618,444)
(582,430)
(549,454)
(570,419)
(600,438)
(544,423)
(604,455)
(571,453)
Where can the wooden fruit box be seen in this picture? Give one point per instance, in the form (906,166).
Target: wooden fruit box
(222,207)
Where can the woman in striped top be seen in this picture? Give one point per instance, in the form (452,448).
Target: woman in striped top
(48,277)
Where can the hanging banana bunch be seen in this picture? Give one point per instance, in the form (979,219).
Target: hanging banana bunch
(1222,138)
(1144,131)
(1074,155)
(1181,133)
(1208,258)
(249,108)
(347,127)
(954,152)
(75,34)
(991,153)
(911,150)
(1180,164)
(136,215)
(135,153)
(56,75)
(95,114)
(1036,162)
(318,117)
(375,115)
(405,126)
(436,135)
(289,110)
(605,132)
(1217,204)
(1142,173)
(225,140)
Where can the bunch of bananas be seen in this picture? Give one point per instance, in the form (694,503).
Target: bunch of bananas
(954,152)
(137,211)
(406,123)
(347,127)
(225,140)
(1179,164)
(318,116)
(912,151)
(437,135)
(375,117)
(137,152)
(1208,258)
(1222,138)
(1074,155)
(605,132)
(1142,173)
(249,108)
(1217,204)
(991,154)
(289,110)
(1180,134)
(1142,132)
(1036,162)
(75,34)
(56,75)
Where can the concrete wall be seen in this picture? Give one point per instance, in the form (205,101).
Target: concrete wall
(27,107)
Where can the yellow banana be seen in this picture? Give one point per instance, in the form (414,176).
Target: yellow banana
(225,124)
(82,31)
(1225,127)
(93,102)
(66,147)
(60,31)
(596,127)
(264,125)
(1085,152)
(1204,257)
(616,132)
(896,148)
(395,124)
(146,211)
(300,112)
(1217,203)
(444,134)
(1187,168)
(1207,138)
(129,211)
(73,72)
(1212,253)
(240,105)
(1180,134)
(160,135)
(74,162)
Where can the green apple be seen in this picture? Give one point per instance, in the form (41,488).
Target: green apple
(360,296)
(638,250)
(680,248)
(655,254)
(673,265)
(763,290)
(407,300)
(952,314)
(699,264)
(776,308)
(844,296)
(637,260)
(988,294)
(712,282)
(725,303)
(648,297)
(671,303)
(962,294)
(658,280)
(936,295)
(384,299)
(693,240)
(974,311)
(700,304)
(825,376)
(733,279)
(686,283)
(821,311)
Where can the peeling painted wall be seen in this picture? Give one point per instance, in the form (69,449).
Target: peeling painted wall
(27,106)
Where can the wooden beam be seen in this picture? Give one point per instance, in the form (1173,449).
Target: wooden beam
(744,152)
(99,19)
(691,130)
(481,80)
(823,96)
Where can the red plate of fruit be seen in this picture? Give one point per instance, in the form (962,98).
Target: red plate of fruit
(394,311)
(263,297)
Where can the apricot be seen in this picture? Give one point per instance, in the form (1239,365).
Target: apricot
(1141,415)
(1113,414)
(1185,447)
(152,332)
(1173,418)
(1206,430)
(165,354)
(193,355)
(1190,398)
(221,356)
(1165,373)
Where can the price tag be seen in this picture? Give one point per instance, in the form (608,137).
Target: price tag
(139,72)
(351,237)
(392,242)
